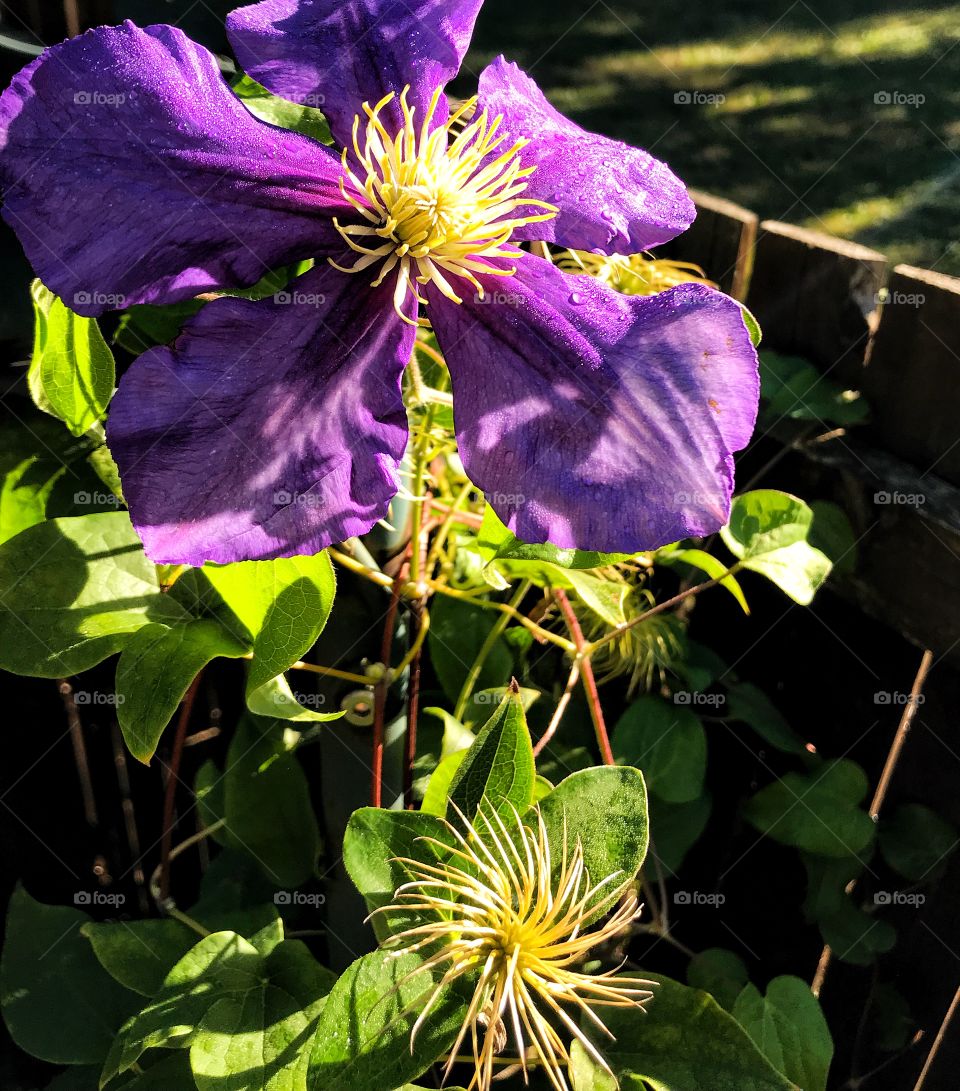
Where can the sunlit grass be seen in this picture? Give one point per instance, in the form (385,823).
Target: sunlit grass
(787,122)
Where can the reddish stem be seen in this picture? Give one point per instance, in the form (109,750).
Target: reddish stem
(170,793)
(413,710)
(587,677)
(380,695)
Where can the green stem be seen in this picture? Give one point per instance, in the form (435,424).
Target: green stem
(667,604)
(486,648)
(419,470)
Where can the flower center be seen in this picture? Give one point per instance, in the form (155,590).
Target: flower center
(438,202)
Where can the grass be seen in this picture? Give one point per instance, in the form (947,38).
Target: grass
(785,119)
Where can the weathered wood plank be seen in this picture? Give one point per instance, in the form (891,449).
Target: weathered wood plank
(720,241)
(912,378)
(907,529)
(816,296)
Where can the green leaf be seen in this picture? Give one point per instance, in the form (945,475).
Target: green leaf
(302,118)
(719,972)
(58,1003)
(818,812)
(456,737)
(74,590)
(362,1041)
(668,743)
(239,1009)
(676,828)
(750,705)
(373,845)
(685,1042)
(284,606)
(498,768)
(170,1073)
(438,787)
(155,671)
(219,965)
(706,562)
(702,666)
(140,954)
(275,700)
(143,325)
(606,598)
(24,493)
(788,1027)
(496,542)
(457,633)
(261,1038)
(606,808)
(833,534)
(855,936)
(916,842)
(586,1074)
(72,373)
(266,801)
(753,326)
(890,1025)
(794,388)
(769,532)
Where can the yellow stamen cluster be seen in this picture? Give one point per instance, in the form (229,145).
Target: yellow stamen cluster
(437,201)
(633,274)
(498,911)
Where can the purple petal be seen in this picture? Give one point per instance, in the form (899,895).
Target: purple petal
(133,174)
(338,54)
(269,429)
(611,197)
(595,420)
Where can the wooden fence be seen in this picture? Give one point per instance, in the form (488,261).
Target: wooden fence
(894,335)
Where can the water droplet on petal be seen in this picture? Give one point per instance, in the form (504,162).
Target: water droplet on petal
(576,299)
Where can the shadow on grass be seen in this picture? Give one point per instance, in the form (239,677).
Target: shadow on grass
(840,117)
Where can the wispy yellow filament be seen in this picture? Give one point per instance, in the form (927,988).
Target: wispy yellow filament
(633,274)
(439,201)
(495,907)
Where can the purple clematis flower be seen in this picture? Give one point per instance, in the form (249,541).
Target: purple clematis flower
(271,428)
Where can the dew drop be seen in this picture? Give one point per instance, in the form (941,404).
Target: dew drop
(576,299)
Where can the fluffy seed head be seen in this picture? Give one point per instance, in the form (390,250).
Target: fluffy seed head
(498,907)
